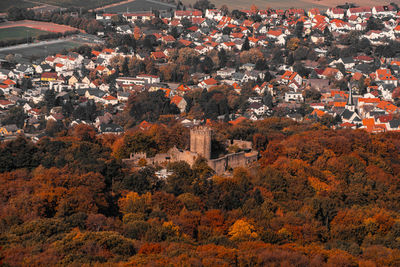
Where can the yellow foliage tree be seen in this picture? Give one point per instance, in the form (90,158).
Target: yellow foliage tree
(293,43)
(242,230)
(132,202)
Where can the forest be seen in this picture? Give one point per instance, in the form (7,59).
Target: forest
(316,197)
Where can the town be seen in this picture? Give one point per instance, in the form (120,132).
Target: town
(339,67)
(162,133)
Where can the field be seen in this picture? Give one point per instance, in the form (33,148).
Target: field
(39,25)
(17,33)
(138,6)
(88,4)
(307,4)
(6,4)
(40,51)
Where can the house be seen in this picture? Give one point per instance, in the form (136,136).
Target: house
(73,80)
(258,89)
(145,16)
(332,73)
(180,102)
(124,29)
(180,14)
(23,70)
(335,13)
(110,128)
(359,11)
(95,94)
(207,83)
(110,100)
(168,39)
(4,74)
(385,75)
(182,89)
(159,56)
(384,11)
(55,117)
(43,68)
(123,96)
(294,96)
(293,79)
(48,76)
(104,16)
(149,78)
(258,108)
(225,72)
(5,104)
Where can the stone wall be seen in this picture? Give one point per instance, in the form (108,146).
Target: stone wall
(226,162)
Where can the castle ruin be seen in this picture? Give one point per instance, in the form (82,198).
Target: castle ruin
(200,145)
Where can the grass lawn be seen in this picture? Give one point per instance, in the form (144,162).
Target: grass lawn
(89,4)
(139,5)
(6,4)
(17,33)
(42,50)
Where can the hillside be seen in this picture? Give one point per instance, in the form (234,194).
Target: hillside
(316,197)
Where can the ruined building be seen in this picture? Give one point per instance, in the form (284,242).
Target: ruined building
(200,141)
(200,145)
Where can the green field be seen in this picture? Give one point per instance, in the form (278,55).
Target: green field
(88,4)
(17,33)
(43,50)
(6,4)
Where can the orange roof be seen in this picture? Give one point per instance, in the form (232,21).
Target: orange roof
(347,125)
(176,100)
(9,82)
(167,91)
(158,54)
(237,35)
(389,107)
(5,102)
(144,125)
(108,50)
(274,33)
(183,88)
(330,71)
(339,104)
(210,81)
(236,86)
(185,42)
(370,122)
(369,100)
(238,120)
(357,76)
(110,97)
(318,112)
(289,75)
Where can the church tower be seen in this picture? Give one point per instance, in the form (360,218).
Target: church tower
(200,141)
(350,102)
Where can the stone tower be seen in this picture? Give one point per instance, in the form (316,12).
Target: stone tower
(200,141)
(350,102)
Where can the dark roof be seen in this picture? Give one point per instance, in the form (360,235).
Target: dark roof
(111,128)
(347,114)
(394,123)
